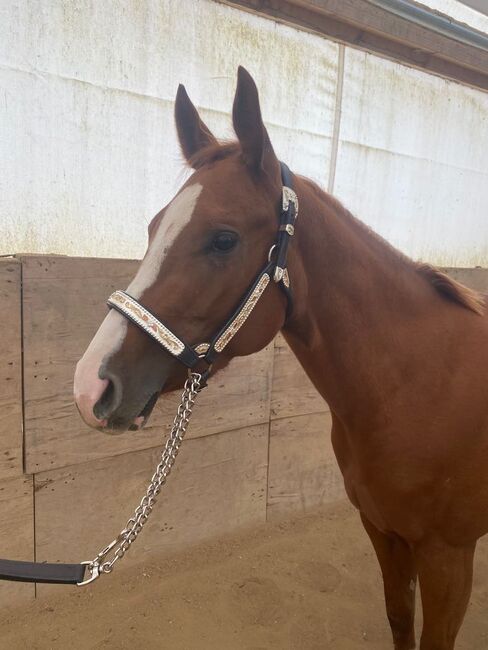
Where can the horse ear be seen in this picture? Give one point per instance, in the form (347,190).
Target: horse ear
(193,133)
(249,126)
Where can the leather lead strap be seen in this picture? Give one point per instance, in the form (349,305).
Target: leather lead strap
(68,574)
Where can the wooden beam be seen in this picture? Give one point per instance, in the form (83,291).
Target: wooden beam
(365,26)
(10,370)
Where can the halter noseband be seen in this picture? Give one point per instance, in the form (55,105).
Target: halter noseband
(205,353)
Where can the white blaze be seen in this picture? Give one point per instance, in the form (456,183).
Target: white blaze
(176,217)
(111,333)
(107,341)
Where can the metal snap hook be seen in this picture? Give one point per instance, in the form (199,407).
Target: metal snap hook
(94,570)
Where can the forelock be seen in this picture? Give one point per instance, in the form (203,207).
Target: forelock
(213,153)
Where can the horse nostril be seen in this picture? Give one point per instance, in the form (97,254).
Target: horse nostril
(110,399)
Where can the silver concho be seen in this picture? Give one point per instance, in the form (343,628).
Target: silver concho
(289,195)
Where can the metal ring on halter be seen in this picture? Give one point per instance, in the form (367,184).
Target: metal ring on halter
(271,251)
(201,351)
(204,375)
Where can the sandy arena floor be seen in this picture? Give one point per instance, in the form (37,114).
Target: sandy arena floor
(305,584)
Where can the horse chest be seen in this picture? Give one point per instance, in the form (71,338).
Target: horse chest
(373,485)
(353,472)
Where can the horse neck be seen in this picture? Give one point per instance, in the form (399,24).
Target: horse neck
(354,296)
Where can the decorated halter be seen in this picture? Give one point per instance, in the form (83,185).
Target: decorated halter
(205,353)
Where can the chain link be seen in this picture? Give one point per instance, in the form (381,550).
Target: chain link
(121,544)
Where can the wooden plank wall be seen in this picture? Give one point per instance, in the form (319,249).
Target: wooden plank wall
(220,481)
(302,470)
(218,485)
(258,447)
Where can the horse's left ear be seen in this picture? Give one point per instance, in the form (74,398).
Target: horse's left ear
(193,133)
(249,126)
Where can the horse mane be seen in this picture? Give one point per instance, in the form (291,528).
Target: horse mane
(444,285)
(452,289)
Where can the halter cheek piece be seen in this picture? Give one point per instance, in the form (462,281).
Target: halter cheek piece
(204,354)
(192,357)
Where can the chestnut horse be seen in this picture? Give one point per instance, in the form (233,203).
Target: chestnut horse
(398,350)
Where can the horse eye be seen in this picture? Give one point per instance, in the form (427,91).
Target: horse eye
(224,242)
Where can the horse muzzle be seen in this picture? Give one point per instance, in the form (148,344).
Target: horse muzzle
(109,402)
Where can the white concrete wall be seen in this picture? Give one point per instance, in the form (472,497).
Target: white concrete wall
(88,148)
(88,151)
(413,160)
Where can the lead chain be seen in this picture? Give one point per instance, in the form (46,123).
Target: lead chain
(133,527)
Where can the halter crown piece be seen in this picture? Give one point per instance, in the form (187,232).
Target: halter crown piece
(199,355)
(205,353)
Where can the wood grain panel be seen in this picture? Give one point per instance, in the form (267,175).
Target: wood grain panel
(292,391)
(218,485)
(16,534)
(64,303)
(10,369)
(303,471)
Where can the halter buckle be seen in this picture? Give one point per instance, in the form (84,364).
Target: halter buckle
(289,196)
(288,228)
(279,274)
(201,349)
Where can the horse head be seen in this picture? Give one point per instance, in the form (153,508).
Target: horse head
(205,249)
